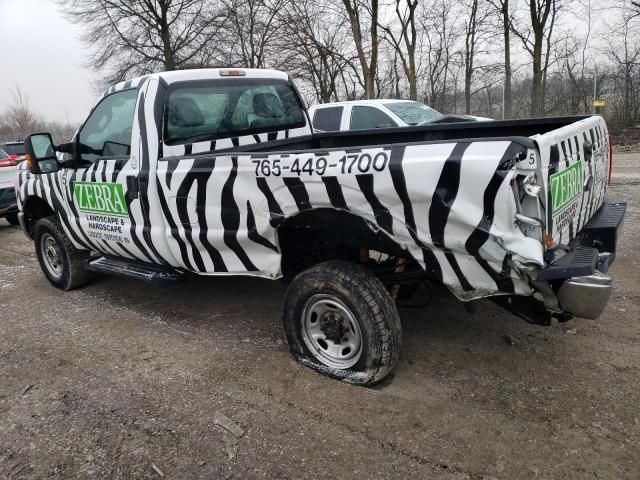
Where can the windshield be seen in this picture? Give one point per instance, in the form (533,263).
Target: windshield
(413,113)
(14,148)
(3,154)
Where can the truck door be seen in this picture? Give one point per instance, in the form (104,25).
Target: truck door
(102,183)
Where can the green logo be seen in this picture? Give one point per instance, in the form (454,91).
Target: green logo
(566,186)
(106,198)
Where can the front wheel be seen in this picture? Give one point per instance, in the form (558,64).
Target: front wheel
(61,263)
(341,321)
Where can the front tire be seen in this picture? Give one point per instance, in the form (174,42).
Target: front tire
(61,263)
(341,321)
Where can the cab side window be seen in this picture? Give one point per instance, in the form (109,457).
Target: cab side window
(327,119)
(369,117)
(107,131)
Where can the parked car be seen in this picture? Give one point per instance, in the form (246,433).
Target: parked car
(366,114)
(8,202)
(14,149)
(218,172)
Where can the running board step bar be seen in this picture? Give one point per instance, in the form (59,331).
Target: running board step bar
(147,272)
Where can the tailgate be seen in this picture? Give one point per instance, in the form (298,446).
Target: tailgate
(576,158)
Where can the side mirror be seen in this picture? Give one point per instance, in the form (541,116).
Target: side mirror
(41,154)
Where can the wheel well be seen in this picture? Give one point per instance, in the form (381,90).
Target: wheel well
(34,209)
(319,235)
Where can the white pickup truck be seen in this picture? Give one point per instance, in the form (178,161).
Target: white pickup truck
(218,172)
(378,113)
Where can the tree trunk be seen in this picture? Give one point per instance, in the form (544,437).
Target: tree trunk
(165,36)
(508,109)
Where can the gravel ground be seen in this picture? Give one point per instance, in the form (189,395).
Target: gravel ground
(125,380)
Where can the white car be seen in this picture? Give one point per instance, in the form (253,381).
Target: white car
(8,202)
(380,113)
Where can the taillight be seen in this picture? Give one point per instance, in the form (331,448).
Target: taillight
(8,162)
(610,159)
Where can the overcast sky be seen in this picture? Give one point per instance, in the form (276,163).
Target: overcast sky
(41,53)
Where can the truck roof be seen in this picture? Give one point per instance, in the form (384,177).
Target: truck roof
(199,74)
(378,101)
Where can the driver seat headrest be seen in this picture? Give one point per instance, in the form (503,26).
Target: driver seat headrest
(184,112)
(267,105)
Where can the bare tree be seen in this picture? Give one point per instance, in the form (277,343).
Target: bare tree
(441,30)
(623,51)
(249,32)
(404,42)
(476,31)
(134,37)
(315,54)
(504,15)
(360,13)
(542,15)
(19,119)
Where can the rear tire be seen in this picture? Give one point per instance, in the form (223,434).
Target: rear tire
(12,218)
(61,262)
(341,321)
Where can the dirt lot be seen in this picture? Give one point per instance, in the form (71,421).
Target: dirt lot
(126,380)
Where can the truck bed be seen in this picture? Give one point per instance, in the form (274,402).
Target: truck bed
(516,130)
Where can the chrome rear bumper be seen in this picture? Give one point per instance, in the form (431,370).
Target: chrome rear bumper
(586,296)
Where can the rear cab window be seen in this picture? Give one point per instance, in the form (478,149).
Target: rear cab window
(198,111)
(327,119)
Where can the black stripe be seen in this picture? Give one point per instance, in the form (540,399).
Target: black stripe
(212,145)
(141,80)
(257,138)
(126,250)
(203,170)
(464,283)
(554,159)
(188,148)
(158,113)
(298,192)
(334,191)
(182,199)
(235,141)
(275,212)
(253,230)
(481,233)
(172,228)
(445,194)
(431,264)
(443,198)
(143,183)
(383,216)
(272,136)
(564,152)
(172,164)
(59,208)
(231,218)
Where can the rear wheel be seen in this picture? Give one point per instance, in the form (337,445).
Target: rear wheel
(61,263)
(341,321)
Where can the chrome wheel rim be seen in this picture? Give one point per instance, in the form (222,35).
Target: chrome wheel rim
(51,255)
(331,332)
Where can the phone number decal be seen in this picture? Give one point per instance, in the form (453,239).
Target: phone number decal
(350,163)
